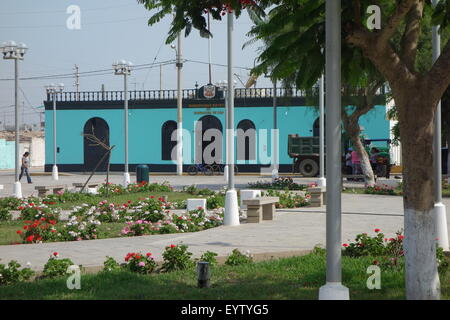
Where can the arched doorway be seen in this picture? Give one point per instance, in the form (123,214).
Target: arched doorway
(208,140)
(246,140)
(94,153)
(167,144)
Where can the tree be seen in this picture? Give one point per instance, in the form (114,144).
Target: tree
(416,94)
(287,45)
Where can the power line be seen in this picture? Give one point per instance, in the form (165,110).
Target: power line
(64,26)
(64,11)
(92,72)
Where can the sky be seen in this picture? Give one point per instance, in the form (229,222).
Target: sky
(110,31)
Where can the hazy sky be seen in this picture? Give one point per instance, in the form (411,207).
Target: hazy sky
(110,31)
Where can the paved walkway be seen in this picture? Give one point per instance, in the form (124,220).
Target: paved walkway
(292,230)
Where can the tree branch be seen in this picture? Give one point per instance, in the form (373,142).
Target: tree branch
(438,78)
(389,30)
(410,38)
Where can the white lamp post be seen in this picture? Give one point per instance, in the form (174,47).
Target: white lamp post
(53,90)
(231,216)
(178,52)
(223,85)
(439,212)
(123,68)
(16,52)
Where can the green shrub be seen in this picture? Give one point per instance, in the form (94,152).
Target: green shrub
(215,201)
(5,215)
(192,189)
(176,258)
(209,257)
(140,263)
(11,274)
(111,265)
(278,184)
(237,258)
(56,267)
(288,199)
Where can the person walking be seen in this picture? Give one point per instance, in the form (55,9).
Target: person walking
(25,166)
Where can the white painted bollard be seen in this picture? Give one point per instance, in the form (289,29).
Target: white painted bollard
(249,194)
(194,204)
(92,190)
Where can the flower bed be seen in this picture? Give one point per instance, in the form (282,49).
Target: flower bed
(381,190)
(278,184)
(288,199)
(135,188)
(145,217)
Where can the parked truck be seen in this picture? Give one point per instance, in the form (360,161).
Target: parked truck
(305,154)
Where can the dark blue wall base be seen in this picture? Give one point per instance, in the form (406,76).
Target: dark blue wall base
(242,168)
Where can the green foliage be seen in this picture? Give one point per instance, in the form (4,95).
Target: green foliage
(209,257)
(215,201)
(176,257)
(381,190)
(192,189)
(5,215)
(140,263)
(111,265)
(443,261)
(278,184)
(237,258)
(11,274)
(56,267)
(288,199)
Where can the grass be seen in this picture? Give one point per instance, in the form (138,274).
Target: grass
(123,198)
(287,278)
(445,192)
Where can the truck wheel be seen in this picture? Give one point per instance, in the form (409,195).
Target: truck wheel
(309,168)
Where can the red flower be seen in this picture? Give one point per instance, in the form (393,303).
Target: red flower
(137,256)
(172,246)
(21,208)
(129,201)
(345,245)
(400,237)
(375,262)
(152,197)
(55,254)
(30,238)
(19,231)
(377,230)
(31,204)
(25,227)
(148,254)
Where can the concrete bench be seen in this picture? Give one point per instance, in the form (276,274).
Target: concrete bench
(79,185)
(194,204)
(42,190)
(260,208)
(249,194)
(318,196)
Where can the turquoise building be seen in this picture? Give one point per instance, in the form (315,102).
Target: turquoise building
(152,121)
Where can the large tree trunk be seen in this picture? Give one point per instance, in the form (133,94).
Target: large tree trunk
(366,168)
(422,279)
(351,125)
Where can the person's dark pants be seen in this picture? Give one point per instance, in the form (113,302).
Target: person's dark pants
(22,171)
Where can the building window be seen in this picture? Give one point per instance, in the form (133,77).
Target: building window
(167,144)
(246,140)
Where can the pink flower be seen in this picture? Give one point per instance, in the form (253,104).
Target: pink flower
(141,264)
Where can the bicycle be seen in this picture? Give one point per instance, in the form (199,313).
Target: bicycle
(221,167)
(206,169)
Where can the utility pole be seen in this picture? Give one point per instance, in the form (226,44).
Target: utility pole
(333,289)
(231,216)
(439,211)
(77,81)
(322,181)
(179,54)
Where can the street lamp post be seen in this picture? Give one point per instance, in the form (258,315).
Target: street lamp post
(231,216)
(179,52)
(16,52)
(223,85)
(275,130)
(322,182)
(124,68)
(53,90)
(439,211)
(333,289)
